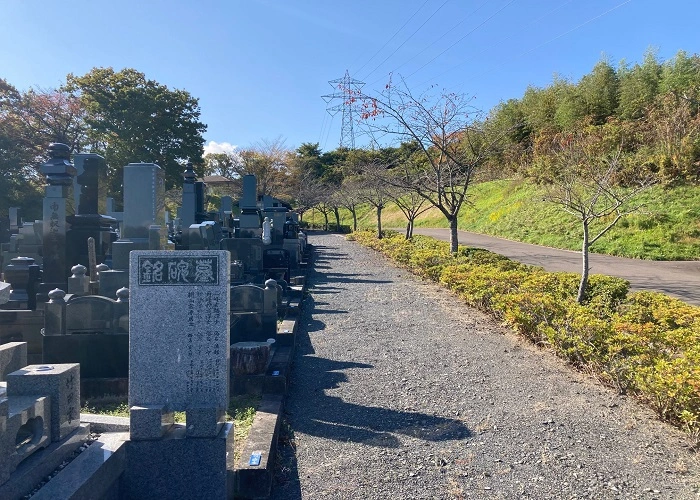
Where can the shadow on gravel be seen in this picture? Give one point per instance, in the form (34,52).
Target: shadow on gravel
(322,278)
(332,418)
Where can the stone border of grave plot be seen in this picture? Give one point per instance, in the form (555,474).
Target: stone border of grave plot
(254,472)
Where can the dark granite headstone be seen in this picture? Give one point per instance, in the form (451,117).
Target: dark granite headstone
(189,203)
(90,330)
(90,184)
(58,204)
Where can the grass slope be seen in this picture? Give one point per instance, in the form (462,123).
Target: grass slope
(668,227)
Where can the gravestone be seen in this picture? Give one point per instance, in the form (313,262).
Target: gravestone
(90,184)
(4,230)
(15,219)
(39,420)
(249,252)
(143,219)
(189,202)
(89,221)
(179,361)
(226,208)
(23,275)
(254,312)
(93,331)
(58,204)
(249,218)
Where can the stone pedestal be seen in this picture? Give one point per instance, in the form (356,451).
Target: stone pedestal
(179,467)
(61,383)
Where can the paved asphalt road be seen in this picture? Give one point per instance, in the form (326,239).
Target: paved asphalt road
(679,279)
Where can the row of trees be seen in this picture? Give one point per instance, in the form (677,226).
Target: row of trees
(120,115)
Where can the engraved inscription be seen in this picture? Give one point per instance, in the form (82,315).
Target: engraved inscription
(179,270)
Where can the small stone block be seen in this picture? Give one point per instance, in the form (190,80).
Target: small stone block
(61,382)
(13,356)
(204,421)
(79,285)
(149,422)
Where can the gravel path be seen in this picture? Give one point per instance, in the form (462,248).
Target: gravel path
(401,391)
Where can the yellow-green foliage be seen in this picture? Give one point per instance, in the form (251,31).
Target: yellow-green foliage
(644,343)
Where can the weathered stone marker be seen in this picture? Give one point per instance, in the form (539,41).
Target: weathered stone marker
(179,361)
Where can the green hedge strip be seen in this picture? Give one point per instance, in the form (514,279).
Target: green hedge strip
(644,343)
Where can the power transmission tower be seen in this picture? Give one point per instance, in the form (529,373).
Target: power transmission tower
(347,90)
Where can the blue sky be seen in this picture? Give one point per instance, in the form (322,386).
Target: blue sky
(259,67)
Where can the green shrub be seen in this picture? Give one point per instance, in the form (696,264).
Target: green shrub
(644,343)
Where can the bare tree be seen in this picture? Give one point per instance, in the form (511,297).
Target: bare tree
(374,192)
(268,160)
(392,183)
(411,205)
(348,197)
(450,140)
(584,185)
(305,191)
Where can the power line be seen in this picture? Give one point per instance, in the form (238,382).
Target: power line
(323,125)
(407,39)
(465,36)
(437,40)
(389,40)
(537,46)
(329,132)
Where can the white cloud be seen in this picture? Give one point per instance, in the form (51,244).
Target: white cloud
(219,147)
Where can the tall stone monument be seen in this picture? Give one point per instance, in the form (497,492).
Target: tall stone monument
(179,361)
(249,217)
(58,205)
(90,201)
(189,201)
(143,219)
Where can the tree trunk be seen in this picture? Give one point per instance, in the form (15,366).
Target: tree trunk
(337,220)
(408,230)
(354,219)
(584,271)
(325,221)
(379,222)
(454,240)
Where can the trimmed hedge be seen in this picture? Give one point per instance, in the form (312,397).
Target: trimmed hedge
(645,344)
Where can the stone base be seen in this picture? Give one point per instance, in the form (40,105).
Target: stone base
(93,475)
(42,463)
(177,467)
(273,381)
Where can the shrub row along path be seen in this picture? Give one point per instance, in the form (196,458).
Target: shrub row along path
(680,279)
(399,390)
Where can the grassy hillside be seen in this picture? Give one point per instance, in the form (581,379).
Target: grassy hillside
(668,228)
